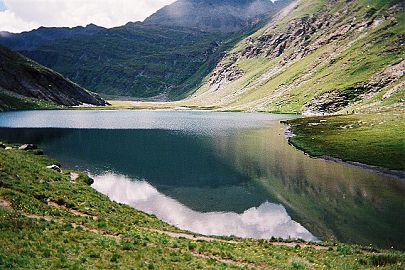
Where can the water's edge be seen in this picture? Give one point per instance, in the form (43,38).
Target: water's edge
(288,134)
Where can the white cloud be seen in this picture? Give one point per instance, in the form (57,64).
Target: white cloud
(261,222)
(24,15)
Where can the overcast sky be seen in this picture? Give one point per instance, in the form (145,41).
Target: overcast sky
(23,15)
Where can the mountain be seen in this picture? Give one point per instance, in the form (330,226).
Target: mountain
(43,35)
(143,59)
(132,60)
(315,57)
(214,15)
(24,81)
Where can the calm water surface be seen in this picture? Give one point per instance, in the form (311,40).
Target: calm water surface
(218,173)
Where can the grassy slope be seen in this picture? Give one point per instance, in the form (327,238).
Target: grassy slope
(49,222)
(25,84)
(374,139)
(8,103)
(357,56)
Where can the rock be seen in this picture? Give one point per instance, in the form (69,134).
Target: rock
(226,72)
(89,181)
(54,167)
(8,148)
(27,147)
(2,145)
(74,176)
(327,103)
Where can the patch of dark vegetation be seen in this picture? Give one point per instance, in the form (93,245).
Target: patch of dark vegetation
(384,259)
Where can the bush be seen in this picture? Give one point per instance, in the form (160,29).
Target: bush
(115,257)
(296,264)
(383,259)
(344,249)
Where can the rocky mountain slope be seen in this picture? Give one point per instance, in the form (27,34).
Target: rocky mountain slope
(316,57)
(21,79)
(162,57)
(214,15)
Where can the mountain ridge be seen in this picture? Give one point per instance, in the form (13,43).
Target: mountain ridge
(34,39)
(23,79)
(211,16)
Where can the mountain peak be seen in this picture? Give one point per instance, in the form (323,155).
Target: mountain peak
(213,15)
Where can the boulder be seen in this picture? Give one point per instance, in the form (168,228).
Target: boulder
(89,181)
(8,148)
(2,145)
(54,167)
(74,176)
(26,147)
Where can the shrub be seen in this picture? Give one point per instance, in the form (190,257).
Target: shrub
(383,259)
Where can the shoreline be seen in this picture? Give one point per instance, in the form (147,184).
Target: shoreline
(288,134)
(64,209)
(172,230)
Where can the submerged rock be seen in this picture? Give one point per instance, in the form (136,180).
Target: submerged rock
(89,181)
(54,167)
(26,147)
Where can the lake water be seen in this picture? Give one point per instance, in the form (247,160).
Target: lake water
(218,173)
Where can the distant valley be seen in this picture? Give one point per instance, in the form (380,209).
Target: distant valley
(303,56)
(163,57)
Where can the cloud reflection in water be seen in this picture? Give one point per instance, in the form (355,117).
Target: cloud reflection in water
(263,222)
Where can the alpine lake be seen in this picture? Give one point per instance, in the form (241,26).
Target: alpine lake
(219,173)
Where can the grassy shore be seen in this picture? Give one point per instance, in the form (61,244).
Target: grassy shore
(373,139)
(49,221)
(9,103)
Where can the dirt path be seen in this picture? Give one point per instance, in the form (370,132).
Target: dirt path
(70,210)
(5,204)
(236,263)
(193,237)
(189,236)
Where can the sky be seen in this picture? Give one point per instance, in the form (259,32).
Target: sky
(23,15)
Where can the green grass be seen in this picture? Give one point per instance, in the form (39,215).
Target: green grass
(373,139)
(83,229)
(8,103)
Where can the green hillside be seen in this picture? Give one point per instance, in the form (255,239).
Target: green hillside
(55,220)
(133,60)
(315,57)
(25,84)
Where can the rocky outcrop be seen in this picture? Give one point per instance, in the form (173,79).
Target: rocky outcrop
(299,34)
(21,77)
(332,102)
(225,72)
(329,37)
